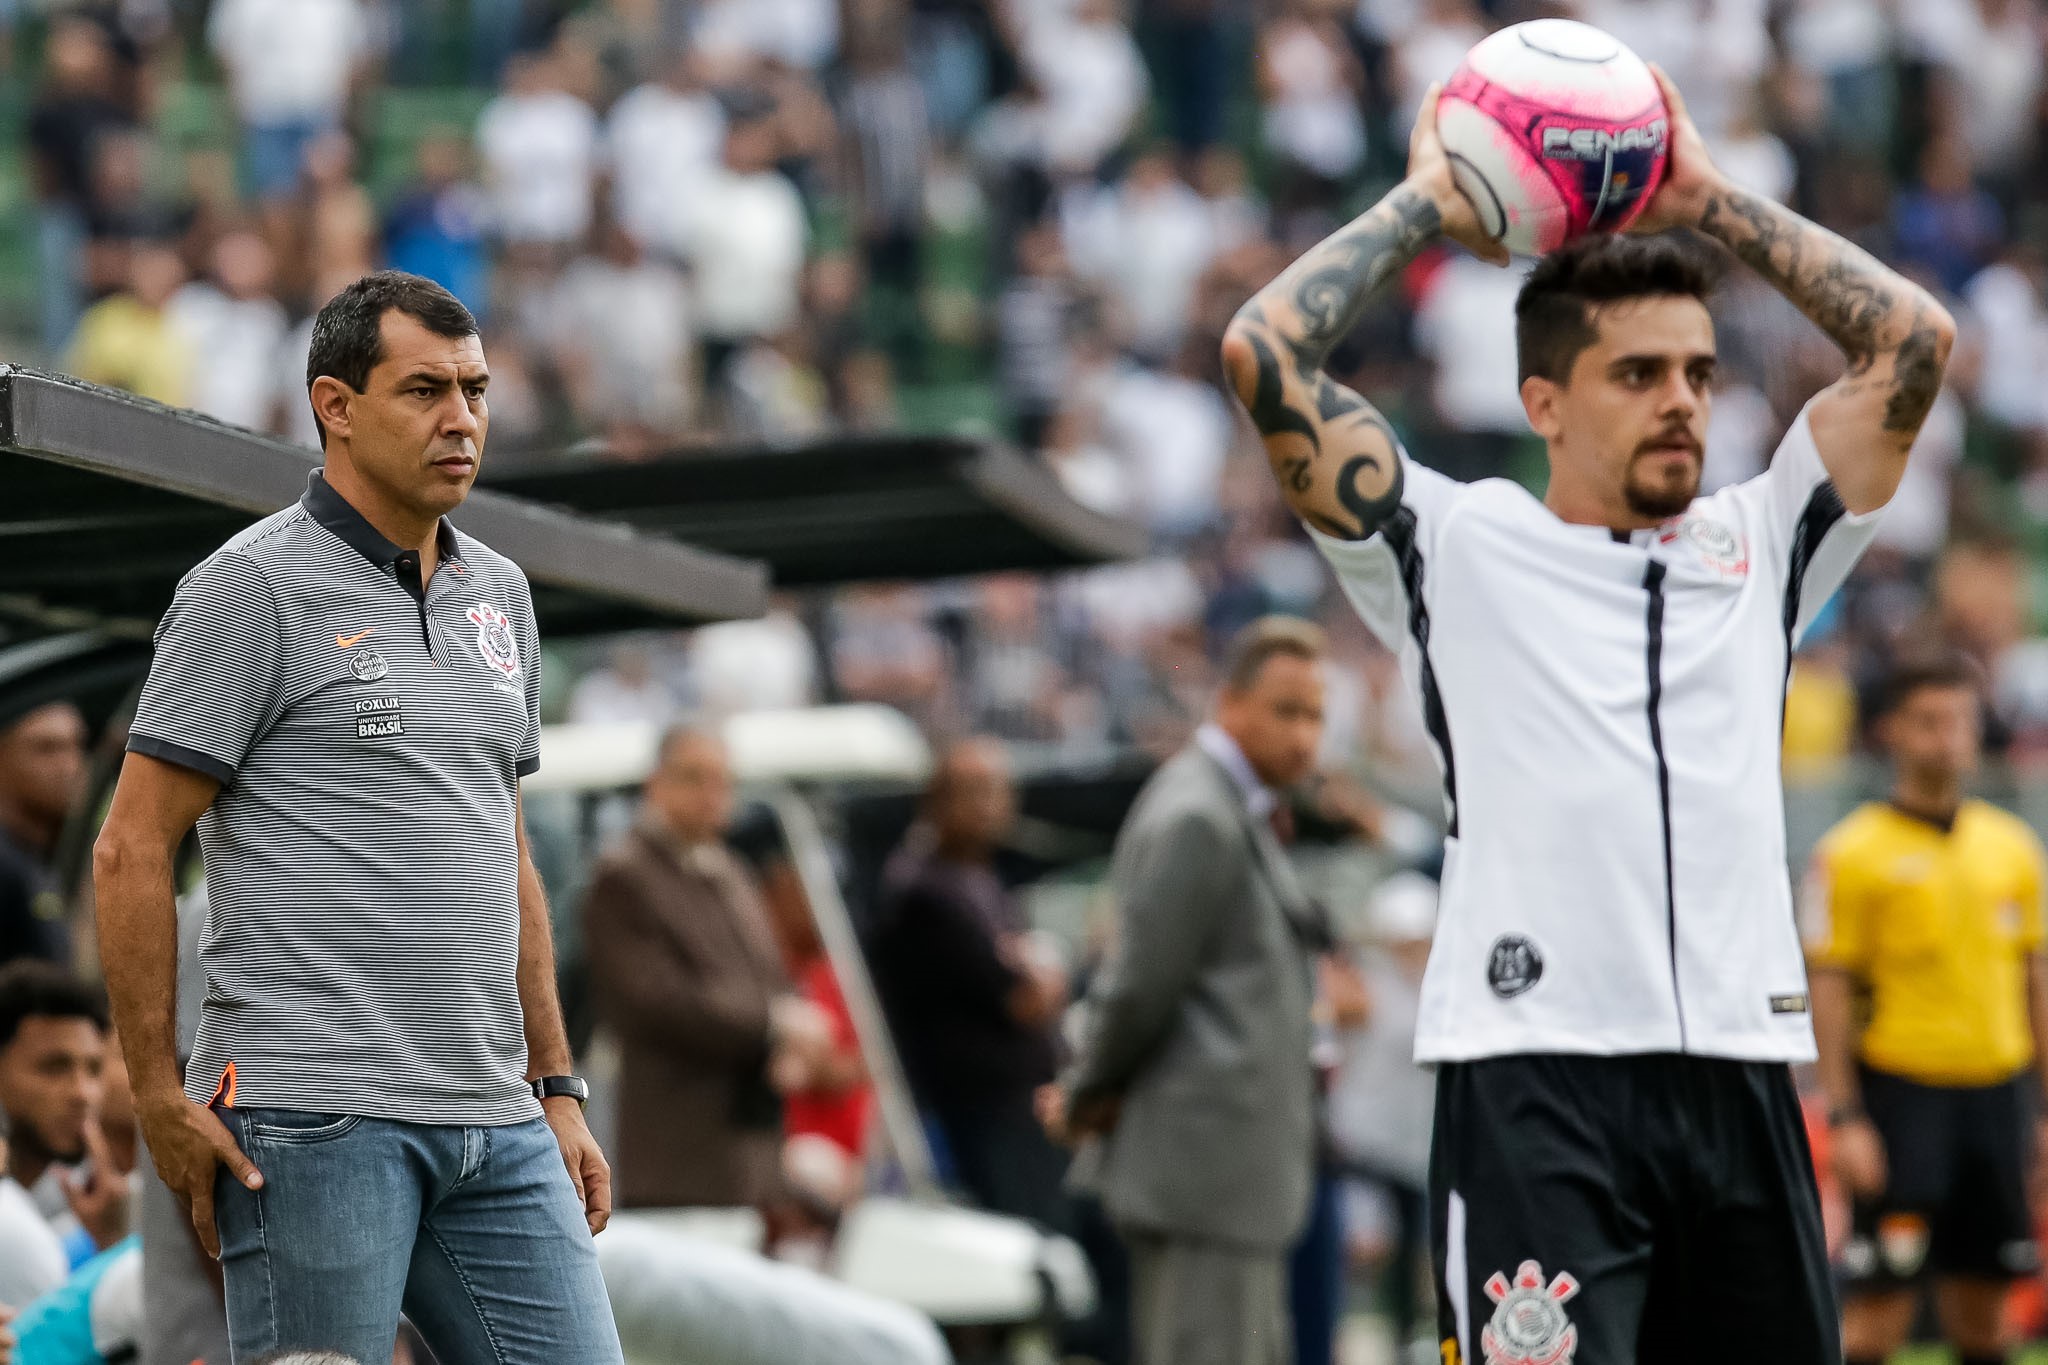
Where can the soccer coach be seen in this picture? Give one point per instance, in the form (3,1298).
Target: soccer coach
(344,696)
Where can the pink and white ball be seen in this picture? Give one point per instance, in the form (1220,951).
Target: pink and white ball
(1554,129)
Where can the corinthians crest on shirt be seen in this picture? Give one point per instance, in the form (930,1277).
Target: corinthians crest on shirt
(1721,547)
(1529,1326)
(494,639)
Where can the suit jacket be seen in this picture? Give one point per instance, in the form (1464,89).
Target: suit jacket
(684,969)
(1199,1023)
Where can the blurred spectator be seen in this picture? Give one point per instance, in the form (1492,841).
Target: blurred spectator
(687,976)
(1310,84)
(291,65)
(744,237)
(774,389)
(1174,429)
(769,663)
(75,109)
(619,322)
(1145,244)
(883,649)
(888,150)
(1945,222)
(53,1049)
(128,341)
(1382,1104)
(32,1260)
(1094,83)
(825,1119)
(1093,474)
(1031,319)
(1821,711)
(798,33)
(1990,59)
(972,999)
(625,690)
(42,777)
(662,140)
(437,224)
(2010,329)
(331,223)
(232,321)
(1016,687)
(1982,607)
(1459,326)
(538,143)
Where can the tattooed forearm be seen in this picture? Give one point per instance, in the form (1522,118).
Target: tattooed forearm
(1319,298)
(1276,348)
(1893,335)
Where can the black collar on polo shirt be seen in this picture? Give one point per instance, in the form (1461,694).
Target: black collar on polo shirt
(339,515)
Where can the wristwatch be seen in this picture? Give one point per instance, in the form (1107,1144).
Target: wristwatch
(575,1087)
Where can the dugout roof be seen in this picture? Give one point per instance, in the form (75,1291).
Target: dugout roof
(107,499)
(848,509)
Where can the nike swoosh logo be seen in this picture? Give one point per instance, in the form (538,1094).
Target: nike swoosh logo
(348,641)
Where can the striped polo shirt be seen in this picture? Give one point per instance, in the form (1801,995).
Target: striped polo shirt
(369,732)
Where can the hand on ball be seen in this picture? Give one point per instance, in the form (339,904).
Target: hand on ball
(1429,170)
(1690,177)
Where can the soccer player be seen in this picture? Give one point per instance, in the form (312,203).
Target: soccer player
(1620,1172)
(1931,906)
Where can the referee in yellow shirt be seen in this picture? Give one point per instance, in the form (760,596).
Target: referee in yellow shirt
(1924,933)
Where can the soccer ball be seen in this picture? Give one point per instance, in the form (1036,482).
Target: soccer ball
(1554,129)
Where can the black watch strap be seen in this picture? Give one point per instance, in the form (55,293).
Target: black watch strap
(575,1087)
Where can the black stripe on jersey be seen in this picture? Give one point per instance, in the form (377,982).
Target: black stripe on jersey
(1399,530)
(1653,584)
(1823,509)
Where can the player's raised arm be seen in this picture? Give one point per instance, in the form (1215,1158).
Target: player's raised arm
(1333,453)
(1895,335)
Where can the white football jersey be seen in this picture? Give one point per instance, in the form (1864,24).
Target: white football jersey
(1607,711)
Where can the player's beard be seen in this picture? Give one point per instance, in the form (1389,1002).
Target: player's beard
(1662,498)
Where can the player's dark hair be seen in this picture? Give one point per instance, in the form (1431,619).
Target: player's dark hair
(348,331)
(30,989)
(1938,668)
(1267,638)
(1554,312)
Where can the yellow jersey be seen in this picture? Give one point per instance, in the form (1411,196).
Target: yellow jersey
(1936,925)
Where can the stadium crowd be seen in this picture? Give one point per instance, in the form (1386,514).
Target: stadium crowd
(700,223)
(718,222)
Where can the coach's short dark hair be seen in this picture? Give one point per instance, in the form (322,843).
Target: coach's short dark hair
(30,988)
(1554,312)
(348,332)
(1267,638)
(1938,668)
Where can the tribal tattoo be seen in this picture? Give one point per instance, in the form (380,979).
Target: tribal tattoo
(1276,350)
(1867,310)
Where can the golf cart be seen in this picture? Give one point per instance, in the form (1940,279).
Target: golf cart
(962,1268)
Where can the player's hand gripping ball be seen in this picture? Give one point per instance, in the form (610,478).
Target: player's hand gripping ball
(1554,129)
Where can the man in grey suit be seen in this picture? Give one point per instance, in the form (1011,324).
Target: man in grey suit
(1194,1072)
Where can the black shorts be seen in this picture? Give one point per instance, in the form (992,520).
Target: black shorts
(1956,1198)
(1610,1210)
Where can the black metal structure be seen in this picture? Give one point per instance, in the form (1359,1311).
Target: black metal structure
(107,499)
(848,509)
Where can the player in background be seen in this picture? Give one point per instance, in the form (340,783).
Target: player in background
(1620,1171)
(1928,906)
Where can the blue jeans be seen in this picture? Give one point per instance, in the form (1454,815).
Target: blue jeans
(476,1233)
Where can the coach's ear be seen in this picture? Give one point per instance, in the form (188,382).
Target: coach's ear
(1542,400)
(330,397)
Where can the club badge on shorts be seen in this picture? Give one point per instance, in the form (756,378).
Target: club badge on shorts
(494,639)
(1529,1326)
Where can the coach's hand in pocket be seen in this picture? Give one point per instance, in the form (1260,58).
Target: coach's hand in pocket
(1859,1158)
(189,1145)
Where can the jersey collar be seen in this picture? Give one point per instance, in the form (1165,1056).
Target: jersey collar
(353,529)
(1217,743)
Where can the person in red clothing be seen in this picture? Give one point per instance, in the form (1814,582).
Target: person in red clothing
(825,1113)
